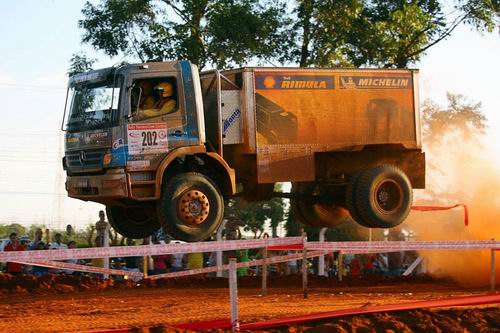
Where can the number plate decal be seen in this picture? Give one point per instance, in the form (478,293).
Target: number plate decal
(150,138)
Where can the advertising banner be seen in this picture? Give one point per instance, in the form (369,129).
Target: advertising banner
(299,113)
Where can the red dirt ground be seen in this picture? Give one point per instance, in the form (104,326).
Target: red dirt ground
(69,304)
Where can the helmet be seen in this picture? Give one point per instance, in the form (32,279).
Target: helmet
(166,89)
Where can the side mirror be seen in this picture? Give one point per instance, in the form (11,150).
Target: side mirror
(135,101)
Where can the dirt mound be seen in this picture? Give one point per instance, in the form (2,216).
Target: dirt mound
(29,284)
(463,320)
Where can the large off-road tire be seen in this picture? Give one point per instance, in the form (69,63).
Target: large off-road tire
(312,213)
(133,222)
(383,196)
(191,207)
(351,202)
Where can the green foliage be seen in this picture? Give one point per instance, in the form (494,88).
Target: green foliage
(460,115)
(79,63)
(347,231)
(208,32)
(379,33)
(347,33)
(254,215)
(7,229)
(483,15)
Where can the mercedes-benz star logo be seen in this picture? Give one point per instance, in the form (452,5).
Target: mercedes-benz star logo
(82,157)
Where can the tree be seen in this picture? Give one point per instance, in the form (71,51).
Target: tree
(252,216)
(380,33)
(206,32)
(461,116)
(7,229)
(80,63)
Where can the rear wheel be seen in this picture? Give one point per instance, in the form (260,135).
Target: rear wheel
(309,211)
(351,202)
(191,207)
(133,221)
(383,196)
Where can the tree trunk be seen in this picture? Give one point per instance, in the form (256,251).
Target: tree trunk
(305,14)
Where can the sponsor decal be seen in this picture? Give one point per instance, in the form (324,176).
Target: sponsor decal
(118,143)
(150,138)
(231,120)
(295,82)
(375,82)
(139,165)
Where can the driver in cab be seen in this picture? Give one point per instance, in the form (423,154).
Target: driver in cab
(158,101)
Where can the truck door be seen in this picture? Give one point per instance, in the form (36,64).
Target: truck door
(159,123)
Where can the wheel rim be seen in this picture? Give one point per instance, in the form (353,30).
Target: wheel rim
(193,207)
(388,196)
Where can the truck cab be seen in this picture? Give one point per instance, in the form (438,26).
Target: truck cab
(128,127)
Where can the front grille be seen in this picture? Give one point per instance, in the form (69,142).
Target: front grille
(92,160)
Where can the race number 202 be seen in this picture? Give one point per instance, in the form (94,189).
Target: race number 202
(148,138)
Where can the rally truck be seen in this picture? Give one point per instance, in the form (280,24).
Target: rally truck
(348,140)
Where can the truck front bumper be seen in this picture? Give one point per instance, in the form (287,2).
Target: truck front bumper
(112,185)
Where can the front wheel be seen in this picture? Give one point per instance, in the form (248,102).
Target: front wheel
(133,221)
(191,207)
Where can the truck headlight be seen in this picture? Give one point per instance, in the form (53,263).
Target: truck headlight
(106,160)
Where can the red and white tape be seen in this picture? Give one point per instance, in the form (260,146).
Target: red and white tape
(403,246)
(145,250)
(80,268)
(259,262)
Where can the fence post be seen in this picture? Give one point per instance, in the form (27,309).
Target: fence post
(340,265)
(321,259)
(492,271)
(304,265)
(218,258)
(264,272)
(233,295)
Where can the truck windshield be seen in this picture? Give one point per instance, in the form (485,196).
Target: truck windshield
(92,106)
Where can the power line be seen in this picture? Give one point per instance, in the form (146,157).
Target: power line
(30,193)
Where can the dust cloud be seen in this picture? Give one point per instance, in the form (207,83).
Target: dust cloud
(460,170)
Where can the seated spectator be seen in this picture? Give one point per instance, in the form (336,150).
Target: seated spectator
(14,268)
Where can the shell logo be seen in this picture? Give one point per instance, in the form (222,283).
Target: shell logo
(269,82)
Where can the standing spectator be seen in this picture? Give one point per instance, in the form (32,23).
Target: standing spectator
(195,260)
(102,228)
(57,244)
(14,268)
(39,271)
(177,262)
(72,245)
(37,239)
(97,262)
(355,267)
(131,263)
(159,261)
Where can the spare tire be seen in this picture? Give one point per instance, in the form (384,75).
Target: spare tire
(383,196)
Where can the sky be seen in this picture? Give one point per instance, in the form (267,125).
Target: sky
(37,39)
